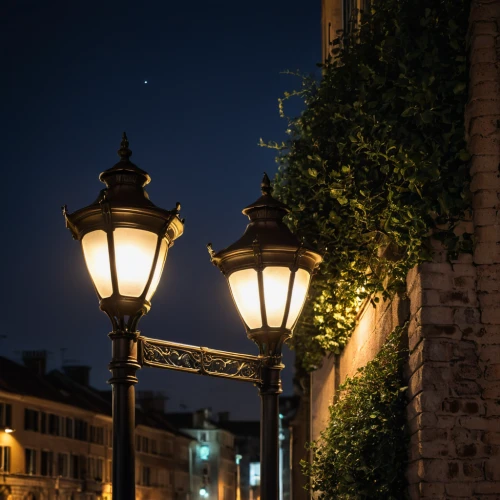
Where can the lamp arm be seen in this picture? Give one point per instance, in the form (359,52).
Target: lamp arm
(201,360)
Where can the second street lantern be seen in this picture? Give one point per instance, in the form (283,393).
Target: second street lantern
(268,271)
(125,239)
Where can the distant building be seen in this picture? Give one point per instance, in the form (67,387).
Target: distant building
(213,457)
(56,439)
(247,446)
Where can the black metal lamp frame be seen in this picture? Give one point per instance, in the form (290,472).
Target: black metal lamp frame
(267,241)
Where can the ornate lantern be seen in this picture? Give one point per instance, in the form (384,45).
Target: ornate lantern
(125,239)
(268,271)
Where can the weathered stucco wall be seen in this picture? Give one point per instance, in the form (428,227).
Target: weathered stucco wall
(374,325)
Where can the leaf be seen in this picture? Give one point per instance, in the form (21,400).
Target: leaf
(426,116)
(459,87)
(464,155)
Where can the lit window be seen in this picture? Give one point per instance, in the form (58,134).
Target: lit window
(204,452)
(254,473)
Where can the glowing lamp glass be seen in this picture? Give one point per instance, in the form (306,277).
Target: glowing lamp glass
(134,254)
(245,289)
(276,283)
(299,294)
(162,257)
(95,251)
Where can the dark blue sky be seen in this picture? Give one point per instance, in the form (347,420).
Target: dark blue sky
(72,80)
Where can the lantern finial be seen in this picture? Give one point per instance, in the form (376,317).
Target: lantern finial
(265,186)
(124,152)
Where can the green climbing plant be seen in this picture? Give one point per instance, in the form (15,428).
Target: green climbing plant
(362,454)
(377,161)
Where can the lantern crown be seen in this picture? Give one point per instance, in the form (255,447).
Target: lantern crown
(265,231)
(127,175)
(266,206)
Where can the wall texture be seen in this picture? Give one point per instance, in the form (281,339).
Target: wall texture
(453,310)
(454,335)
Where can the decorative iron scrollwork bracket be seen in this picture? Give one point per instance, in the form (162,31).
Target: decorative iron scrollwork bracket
(200,360)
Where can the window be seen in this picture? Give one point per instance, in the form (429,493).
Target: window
(69,427)
(96,434)
(81,429)
(254,473)
(76,467)
(351,10)
(99,469)
(204,452)
(5,415)
(145,445)
(170,448)
(30,461)
(62,465)
(162,477)
(54,425)
(43,422)
(31,418)
(146,476)
(95,468)
(154,447)
(46,463)
(4,458)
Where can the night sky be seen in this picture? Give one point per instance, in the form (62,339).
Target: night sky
(73,78)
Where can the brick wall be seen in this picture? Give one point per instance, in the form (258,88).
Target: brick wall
(454,310)
(454,333)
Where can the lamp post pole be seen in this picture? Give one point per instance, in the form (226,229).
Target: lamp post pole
(270,390)
(123,368)
(125,239)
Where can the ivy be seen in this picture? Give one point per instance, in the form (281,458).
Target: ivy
(362,454)
(377,161)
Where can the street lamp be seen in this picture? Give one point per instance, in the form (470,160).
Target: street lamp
(125,239)
(268,271)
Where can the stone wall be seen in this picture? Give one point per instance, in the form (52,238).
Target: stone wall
(454,333)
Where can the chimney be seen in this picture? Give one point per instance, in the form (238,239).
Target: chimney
(223,416)
(36,361)
(152,401)
(78,373)
(200,417)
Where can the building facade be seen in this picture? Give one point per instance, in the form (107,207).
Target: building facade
(213,455)
(247,447)
(56,439)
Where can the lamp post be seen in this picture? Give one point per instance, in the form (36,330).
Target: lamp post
(125,239)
